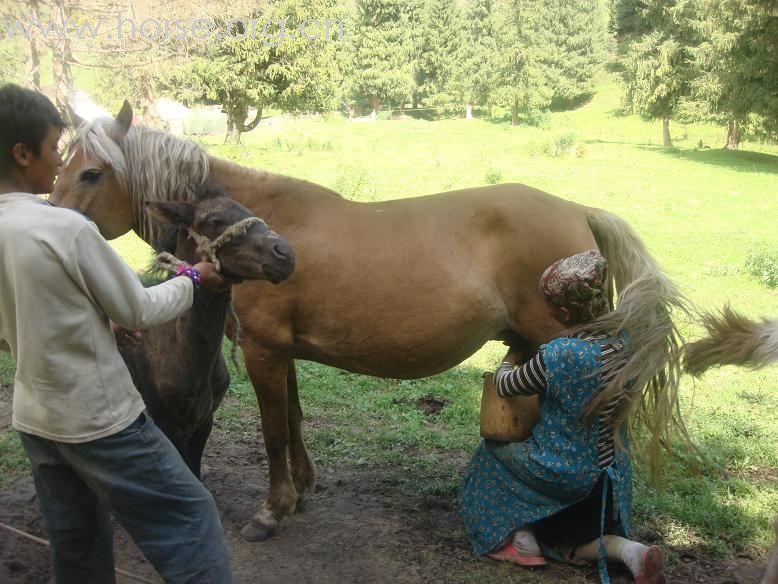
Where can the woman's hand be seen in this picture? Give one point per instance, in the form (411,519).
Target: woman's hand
(514,357)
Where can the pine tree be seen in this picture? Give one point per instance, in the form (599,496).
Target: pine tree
(658,69)
(442,36)
(736,66)
(381,49)
(527,48)
(578,34)
(477,76)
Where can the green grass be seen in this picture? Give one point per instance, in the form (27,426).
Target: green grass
(700,211)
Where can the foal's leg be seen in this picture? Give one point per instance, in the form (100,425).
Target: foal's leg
(303,469)
(268,375)
(197,446)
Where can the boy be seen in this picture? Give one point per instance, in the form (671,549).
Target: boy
(82,423)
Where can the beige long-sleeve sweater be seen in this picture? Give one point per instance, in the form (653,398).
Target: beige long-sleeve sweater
(60,283)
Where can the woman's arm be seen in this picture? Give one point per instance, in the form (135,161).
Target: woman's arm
(527,379)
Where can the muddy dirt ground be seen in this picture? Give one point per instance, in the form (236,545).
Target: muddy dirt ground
(355,529)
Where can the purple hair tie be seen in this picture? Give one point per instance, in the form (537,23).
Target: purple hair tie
(189,272)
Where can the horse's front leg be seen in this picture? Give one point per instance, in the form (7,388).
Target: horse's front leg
(303,469)
(268,375)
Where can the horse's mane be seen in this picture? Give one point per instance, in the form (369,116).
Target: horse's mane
(152,165)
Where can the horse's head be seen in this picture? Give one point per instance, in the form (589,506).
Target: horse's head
(92,180)
(227,233)
(114,167)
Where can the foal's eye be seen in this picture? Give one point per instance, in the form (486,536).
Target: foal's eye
(90,175)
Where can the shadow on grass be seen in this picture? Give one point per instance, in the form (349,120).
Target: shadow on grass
(709,512)
(740,160)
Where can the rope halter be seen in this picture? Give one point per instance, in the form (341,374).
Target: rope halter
(208,248)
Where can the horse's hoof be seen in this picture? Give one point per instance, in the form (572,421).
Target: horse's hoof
(259,529)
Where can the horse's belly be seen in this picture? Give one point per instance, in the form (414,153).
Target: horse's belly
(415,344)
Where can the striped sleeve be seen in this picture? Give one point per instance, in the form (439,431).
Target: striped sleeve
(528,379)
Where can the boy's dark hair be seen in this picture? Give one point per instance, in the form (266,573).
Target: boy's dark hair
(25,117)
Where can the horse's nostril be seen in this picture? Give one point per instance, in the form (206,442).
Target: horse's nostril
(280,251)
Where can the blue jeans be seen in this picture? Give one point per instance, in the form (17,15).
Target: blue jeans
(139,476)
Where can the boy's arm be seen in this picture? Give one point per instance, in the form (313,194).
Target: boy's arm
(111,282)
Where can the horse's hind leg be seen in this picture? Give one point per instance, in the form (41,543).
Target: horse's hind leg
(303,469)
(268,374)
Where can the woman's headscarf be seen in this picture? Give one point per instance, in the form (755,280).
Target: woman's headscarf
(580,281)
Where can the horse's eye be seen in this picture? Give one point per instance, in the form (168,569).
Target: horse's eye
(90,175)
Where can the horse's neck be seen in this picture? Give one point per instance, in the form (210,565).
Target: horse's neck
(273,197)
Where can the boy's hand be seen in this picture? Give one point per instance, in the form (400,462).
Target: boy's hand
(210,278)
(125,339)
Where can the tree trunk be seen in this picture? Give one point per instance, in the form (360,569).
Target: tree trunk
(666,141)
(375,103)
(469,112)
(515,112)
(147,107)
(62,57)
(232,136)
(33,51)
(236,110)
(733,135)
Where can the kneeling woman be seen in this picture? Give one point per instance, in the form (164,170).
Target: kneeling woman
(569,483)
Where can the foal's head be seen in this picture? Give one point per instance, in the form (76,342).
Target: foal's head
(243,246)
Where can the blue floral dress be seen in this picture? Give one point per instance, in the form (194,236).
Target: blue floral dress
(508,486)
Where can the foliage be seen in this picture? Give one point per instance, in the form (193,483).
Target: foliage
(525,80)
(548,51)
(436,60)
(577,33)
(763,264)
(477,76)
(266,60)
(381,49)
(657,67)
(703,60)
(735,65)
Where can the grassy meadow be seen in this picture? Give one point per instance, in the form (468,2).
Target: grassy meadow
(701,211)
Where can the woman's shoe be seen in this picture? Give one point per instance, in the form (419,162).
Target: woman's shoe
(508,553)
(653,567)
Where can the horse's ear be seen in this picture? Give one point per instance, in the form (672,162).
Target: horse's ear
(74,119)
(124,117)
(178,213)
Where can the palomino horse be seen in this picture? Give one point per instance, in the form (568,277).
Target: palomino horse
(401,289)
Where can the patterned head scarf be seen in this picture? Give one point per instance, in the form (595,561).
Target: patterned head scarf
(580,281)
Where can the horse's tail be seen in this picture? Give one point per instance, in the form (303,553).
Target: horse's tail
(733,339)
(647,299)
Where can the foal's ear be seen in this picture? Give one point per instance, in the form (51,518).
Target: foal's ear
(175,213)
